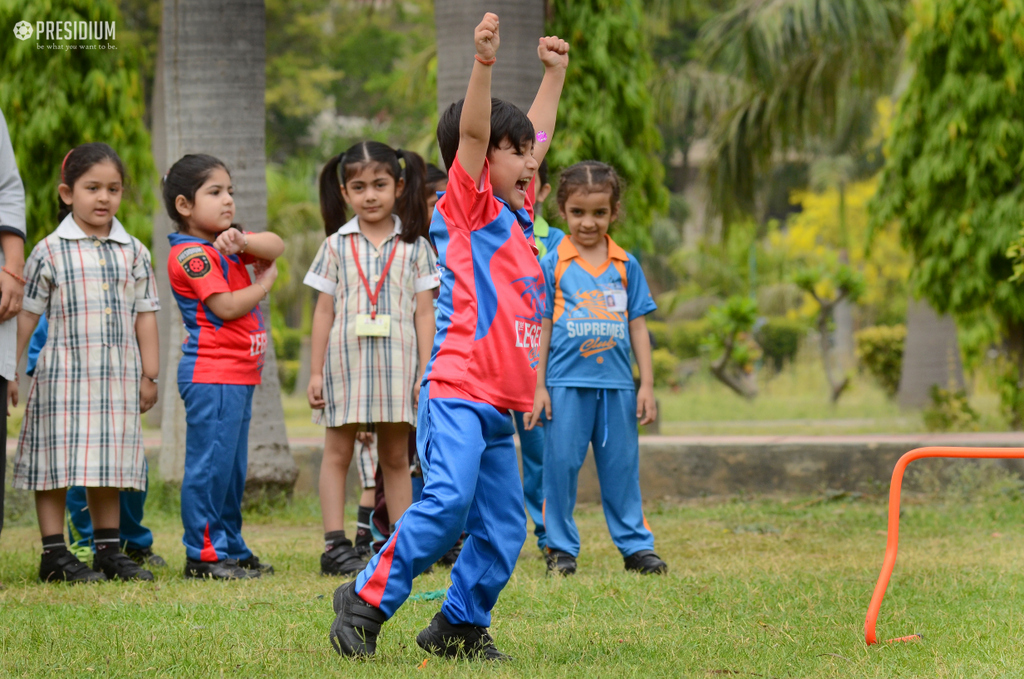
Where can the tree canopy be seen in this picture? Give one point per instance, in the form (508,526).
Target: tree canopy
(607,111)
(56,99)
(954,158)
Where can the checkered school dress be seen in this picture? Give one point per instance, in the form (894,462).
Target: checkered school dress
(81,425)
(370,379)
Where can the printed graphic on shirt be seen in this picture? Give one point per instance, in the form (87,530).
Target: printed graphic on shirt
(593,320)
(194,262)
(531,290)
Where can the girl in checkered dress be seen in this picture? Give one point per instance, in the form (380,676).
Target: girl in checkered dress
(373,326)
(98,370)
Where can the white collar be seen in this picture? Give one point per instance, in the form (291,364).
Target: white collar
(352,226)
(70,230)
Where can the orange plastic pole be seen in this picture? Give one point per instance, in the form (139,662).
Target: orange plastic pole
(893,537)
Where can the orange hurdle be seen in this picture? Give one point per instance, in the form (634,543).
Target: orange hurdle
(893,537)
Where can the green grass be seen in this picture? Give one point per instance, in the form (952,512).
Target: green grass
(758,587)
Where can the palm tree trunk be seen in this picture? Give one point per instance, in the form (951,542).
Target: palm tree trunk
(209,98)
(931,355)
(517,74)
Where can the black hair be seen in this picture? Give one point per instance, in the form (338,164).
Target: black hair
(185,178)
(435,174)
(542,173)
(78,161)
(590,176)
(508,123)
(411,206)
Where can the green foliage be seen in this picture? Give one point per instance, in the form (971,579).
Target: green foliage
(952,172)
(732,350)
(880,352)
(950,411)
(779,339)
(837,282)
(607,111)
(659,333)
(666,367)
(287,373)
(373,63)
(686,338)
(55,100)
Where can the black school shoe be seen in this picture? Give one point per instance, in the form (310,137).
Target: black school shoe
(458,641)
(451,556)
(560,563)
(342,559)
(117,566)
(65,567)
(646,562)
(253,564)
(356,623)
(225,569)
(145,557)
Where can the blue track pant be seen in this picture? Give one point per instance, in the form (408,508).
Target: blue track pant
(606,418)
(471,479)
(531,448)
(216,460)
(133,534)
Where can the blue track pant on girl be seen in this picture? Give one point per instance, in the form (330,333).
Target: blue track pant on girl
(531,448)
(471,479)
(133,534)
(606,418)
(216,458)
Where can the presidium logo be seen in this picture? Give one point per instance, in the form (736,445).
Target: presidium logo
(68,31)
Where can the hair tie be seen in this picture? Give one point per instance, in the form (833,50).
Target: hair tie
(65,162)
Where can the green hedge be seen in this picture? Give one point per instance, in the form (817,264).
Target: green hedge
(780,340)
(880,352)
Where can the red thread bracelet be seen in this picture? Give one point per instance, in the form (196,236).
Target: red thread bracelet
(486,62)
(13,275)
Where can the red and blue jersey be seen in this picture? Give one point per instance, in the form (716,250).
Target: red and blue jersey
(491,302)
(215,351)
(590,313)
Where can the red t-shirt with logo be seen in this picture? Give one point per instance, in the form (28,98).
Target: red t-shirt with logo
(215,351)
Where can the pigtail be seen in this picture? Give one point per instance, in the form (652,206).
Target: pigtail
(412,204)
(332,203)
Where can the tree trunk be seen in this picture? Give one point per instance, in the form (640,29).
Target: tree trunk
(931,355)
(209,98)
(517,73)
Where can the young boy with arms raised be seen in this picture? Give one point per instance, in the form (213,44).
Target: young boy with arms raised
(481,368)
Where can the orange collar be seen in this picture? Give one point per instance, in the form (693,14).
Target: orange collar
(568,251)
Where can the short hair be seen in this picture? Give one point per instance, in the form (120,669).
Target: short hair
(589,176)
(80,160)
(508,123)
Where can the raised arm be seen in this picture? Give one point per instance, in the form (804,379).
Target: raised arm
(554,54)
(475,123)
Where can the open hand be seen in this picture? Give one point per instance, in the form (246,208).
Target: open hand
(485,36)
(541,405)
(553,52)
(230,242)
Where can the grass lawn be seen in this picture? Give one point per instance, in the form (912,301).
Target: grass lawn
(758,588)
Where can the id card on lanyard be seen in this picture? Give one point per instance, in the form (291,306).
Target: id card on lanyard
(373,324)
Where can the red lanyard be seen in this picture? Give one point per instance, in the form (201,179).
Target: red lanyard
(372,294)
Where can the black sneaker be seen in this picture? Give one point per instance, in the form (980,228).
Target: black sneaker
(356,623)
(364,550)
(451,556)
(559,562)
(342,559)
(646,562)
(458,641)
(252,564)
(225,569)
(65,567)
(145,557)
(117,566)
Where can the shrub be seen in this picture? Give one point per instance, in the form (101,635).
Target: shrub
(685,338)
(287,343)
(780,340)
(880,352)
(666,367)
(950,411)
(287,373)
(659,333)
